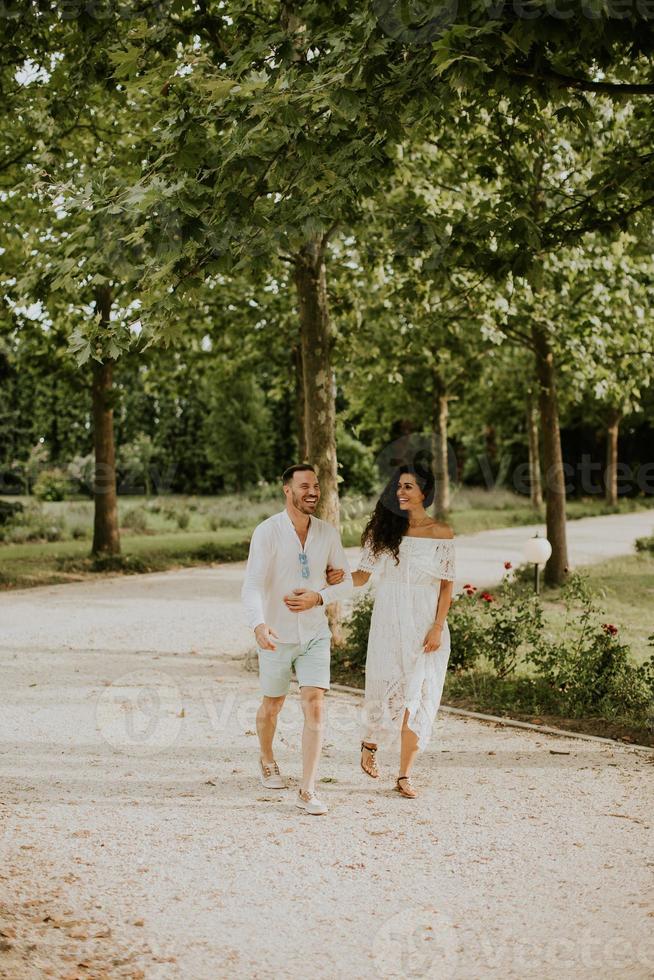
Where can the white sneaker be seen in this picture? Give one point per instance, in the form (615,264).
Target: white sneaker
(310,803)
(271,777)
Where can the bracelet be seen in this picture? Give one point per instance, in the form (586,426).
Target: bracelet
(436,623)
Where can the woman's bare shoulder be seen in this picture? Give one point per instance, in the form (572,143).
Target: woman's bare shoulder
(441,530)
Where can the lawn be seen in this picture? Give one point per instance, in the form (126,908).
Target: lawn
(162,532)
(52,562)
(624,588)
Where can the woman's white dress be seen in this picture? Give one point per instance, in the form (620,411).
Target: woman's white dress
(399,674)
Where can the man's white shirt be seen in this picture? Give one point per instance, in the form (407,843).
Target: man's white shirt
(274,569)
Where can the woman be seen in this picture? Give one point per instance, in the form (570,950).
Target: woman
(409,640)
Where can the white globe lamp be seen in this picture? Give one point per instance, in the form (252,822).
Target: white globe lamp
(537,550)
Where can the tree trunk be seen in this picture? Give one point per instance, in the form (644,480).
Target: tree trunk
(318,383)
(300,426)
(535,486)
(106,539)
(557,566)
(611,476)
(439,439)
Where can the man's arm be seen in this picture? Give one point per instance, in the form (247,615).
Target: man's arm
(337,559)
(255,578)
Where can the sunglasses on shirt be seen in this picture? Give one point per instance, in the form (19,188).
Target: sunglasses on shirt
(304,564)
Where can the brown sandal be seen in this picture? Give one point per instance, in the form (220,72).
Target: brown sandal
(407,790)
(373,771)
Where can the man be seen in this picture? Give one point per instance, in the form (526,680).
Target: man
(285,594)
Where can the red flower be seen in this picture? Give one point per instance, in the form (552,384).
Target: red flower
(507,565)
(487,597)
(610,629)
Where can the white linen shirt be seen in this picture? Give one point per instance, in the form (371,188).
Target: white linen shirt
(274,569)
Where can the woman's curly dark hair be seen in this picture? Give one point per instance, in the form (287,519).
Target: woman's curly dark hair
(388,523)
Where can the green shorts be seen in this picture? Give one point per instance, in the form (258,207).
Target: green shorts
(311,662)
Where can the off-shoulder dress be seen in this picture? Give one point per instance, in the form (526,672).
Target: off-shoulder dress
(399,674)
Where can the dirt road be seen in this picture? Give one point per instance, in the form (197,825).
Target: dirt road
(135,840)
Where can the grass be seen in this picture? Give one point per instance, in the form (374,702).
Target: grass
(54,562)
(162,532)
(624,588)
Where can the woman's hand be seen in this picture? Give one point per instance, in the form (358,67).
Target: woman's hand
(433,639)
(335,575)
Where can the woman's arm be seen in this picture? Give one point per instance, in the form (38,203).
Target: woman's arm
(444,601)
(360,578)
(433,638)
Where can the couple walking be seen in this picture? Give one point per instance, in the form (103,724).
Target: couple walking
(297,567)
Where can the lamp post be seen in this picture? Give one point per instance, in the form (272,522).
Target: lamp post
(537,550)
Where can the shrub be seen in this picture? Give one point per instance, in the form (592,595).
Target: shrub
(356,464)
(212,552)
(588,665)
(80,531)
(353,652)
(467,633)
(52,484)
(183,519)
(130,564)
(81,473)
(33,524)
(9,511)
(263,492)
(645,544)
(135,519)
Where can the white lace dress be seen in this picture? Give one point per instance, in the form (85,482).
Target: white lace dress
(399,674)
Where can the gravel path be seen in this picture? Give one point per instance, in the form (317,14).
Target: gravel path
(135,840)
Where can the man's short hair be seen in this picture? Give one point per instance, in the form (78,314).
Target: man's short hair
(287,475)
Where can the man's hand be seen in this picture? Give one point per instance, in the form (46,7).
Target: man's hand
(299,600)
(335,575)
(433,639)
(264,637)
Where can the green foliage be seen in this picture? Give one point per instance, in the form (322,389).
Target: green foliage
(356,464)
(183,519)
(135,519)
(135,464)
(588,664)
(499,627)
(81,473)
(352,655)
(9,511)
(52,484)
(32,523)
(645,544)
(585,671)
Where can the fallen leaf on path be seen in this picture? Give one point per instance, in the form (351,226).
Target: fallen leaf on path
(559,751)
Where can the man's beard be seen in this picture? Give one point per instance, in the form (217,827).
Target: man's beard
(301,506)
